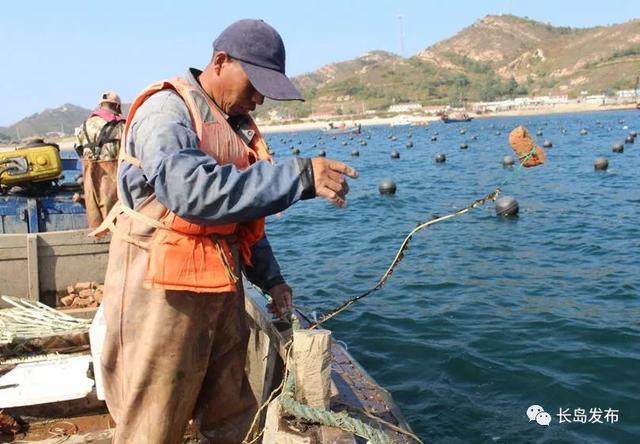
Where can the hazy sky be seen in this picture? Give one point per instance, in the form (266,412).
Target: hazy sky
(54,52)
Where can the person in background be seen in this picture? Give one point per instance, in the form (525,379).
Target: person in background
(99,145)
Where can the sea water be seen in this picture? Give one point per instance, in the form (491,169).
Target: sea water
(485,316)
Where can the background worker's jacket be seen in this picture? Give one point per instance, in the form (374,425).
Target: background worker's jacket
(195,187)
(98,143)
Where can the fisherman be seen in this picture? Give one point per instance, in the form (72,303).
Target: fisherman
(195,183)
(98,146)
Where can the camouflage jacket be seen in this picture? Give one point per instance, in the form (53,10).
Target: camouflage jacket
(93,129)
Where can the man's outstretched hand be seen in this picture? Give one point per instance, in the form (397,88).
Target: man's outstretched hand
(329,179)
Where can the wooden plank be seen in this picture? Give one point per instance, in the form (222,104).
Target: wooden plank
(33,274)
(259,317)
(72,237)
(73,250)
(13,241)
(12,254)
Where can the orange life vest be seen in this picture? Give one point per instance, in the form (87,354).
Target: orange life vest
(184,255)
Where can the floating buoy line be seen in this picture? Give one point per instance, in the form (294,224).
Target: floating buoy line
(529,155)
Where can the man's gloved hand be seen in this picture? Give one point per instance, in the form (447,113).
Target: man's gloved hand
(281,296)
(329,180)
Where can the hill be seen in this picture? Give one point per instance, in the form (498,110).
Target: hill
(548,58)
(498,56)
(62,119)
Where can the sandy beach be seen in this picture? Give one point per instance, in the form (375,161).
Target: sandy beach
(555,109)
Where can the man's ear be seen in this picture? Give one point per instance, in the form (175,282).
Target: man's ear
(219,58)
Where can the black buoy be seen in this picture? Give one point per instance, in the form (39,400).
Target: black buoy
(547,144)
(507,206)
(355,153)
(464,146)
(387,186)
(434,138)
(295,151)
(617,148)
(409,145)
(628,139)
(583,132)
(322,153)
(507,161)
(601,163)
(395,154)
(441,158)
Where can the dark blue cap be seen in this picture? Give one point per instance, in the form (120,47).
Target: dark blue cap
(260,50)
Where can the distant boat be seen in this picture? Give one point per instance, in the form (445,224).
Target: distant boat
(401,121)
(455,117)
(342,129)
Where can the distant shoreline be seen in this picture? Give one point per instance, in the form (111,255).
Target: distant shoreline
(68,141)
(554,109)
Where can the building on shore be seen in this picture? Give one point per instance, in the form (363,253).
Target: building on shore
(405,108)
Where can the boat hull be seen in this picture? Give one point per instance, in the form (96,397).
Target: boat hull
(447,120)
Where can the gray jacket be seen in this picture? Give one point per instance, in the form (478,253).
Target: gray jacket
(194,186)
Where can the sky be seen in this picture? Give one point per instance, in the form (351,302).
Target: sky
(70,51)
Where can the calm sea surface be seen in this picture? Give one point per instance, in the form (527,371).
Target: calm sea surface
(485,316)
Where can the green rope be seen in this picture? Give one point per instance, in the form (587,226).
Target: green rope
(518,169)
(340,420)
(330,418)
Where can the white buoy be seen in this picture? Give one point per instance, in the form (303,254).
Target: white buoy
(601,164)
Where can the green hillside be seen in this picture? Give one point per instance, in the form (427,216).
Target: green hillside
(496,57)
(63,119)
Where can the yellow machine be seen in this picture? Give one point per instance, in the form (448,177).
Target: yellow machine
(35,162)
